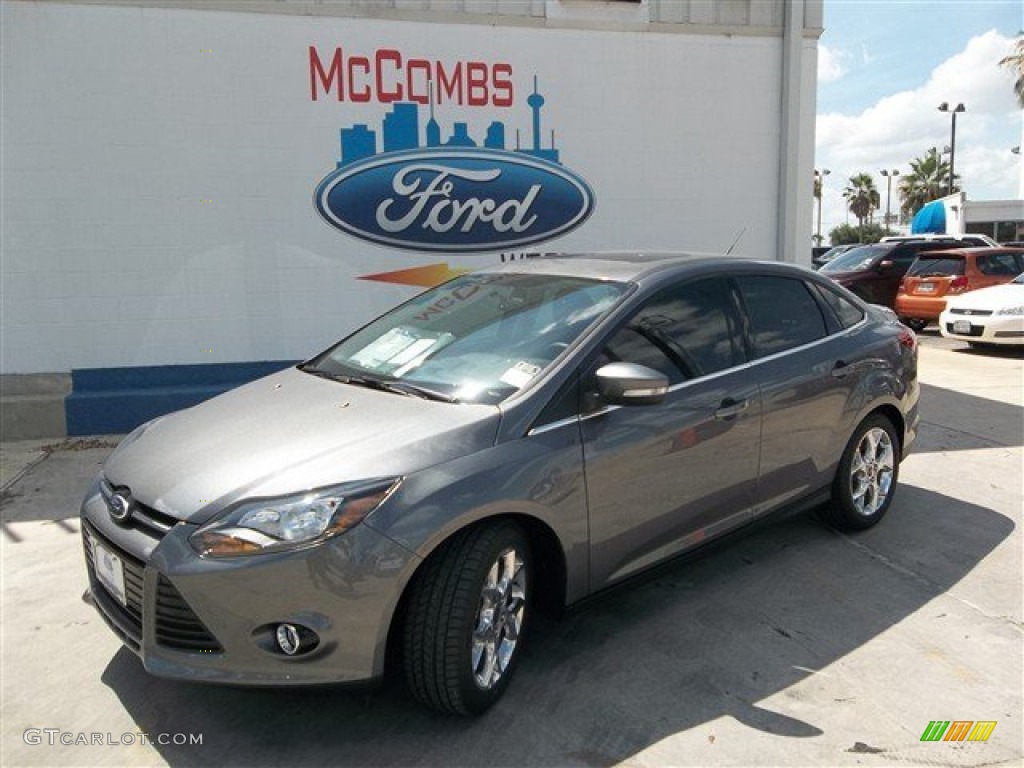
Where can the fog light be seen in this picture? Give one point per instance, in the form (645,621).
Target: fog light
(288,639)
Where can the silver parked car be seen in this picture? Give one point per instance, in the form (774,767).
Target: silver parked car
(509,442)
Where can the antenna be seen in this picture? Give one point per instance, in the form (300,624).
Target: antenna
(736,241)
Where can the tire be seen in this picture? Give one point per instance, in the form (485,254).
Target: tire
(865,481)
(914,324)
(459,653)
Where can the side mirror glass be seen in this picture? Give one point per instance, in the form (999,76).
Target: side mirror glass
(630,384)
(885,265)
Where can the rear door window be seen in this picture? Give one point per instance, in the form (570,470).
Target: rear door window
(782,312)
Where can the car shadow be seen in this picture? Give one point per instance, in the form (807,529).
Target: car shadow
(968,422)
(1008,352)
(690,643)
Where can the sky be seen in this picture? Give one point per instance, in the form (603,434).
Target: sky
(884,66)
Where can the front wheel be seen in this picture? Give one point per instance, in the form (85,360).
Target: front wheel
(466,618)
(914,324)
(866,479)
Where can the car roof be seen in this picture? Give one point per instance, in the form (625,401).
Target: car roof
(878,246)
(971,251)
(634,266)
(932,236)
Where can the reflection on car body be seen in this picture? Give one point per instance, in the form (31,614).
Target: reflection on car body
(512,441)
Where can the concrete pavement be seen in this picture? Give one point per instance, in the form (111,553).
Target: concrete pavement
(793,645)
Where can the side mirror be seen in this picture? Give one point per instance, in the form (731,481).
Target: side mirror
(630,384)
(885,265)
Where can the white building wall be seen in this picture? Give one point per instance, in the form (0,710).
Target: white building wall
(159,166)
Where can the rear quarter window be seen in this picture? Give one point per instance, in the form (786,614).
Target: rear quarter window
(998,264)
(846,312)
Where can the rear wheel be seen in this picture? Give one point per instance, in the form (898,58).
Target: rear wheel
(866,479)
(467,613)
(914,324)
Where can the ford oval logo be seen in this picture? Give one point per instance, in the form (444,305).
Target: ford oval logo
(119,505)
(454,200)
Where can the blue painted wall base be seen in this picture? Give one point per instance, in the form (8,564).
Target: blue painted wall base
(105,401)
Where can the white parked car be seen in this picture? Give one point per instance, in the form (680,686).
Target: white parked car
(987,316)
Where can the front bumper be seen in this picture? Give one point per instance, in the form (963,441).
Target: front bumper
(210,620)
(984,329)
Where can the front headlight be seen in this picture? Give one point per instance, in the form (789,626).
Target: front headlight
(272,525)
(1011,311)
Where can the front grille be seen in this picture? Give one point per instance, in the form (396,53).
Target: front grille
(125,619)
(971,312)
(149,520)
(154,522)
(976,330)
(177,626)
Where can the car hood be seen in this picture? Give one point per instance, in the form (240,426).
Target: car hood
(1010,294)
(288,433)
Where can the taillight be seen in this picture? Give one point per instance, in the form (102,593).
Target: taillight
(959,284)
(908,339)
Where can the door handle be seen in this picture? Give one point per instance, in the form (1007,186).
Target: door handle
(841,369)
(731,408)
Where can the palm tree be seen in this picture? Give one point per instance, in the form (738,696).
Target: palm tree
(861,197)
(928,180)
(1015,63)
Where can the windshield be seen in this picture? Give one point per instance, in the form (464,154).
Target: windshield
(834,251)
(857,259)
(478,338)
(936,266)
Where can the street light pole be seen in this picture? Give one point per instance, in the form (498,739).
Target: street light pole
(889,175)
(821,193)
(944,107)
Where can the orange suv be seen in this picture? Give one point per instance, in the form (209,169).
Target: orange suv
(934,276)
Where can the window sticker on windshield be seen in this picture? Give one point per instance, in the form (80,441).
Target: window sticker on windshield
(398,347)
(519,375)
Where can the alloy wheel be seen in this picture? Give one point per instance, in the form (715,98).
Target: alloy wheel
(871,471)
(499,618)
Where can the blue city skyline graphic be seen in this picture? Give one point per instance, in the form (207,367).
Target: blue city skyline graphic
(400,130)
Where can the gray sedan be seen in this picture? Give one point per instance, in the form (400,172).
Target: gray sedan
(509,442)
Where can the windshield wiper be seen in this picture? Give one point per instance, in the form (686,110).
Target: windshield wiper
(415,390)
(398,388)
(395,387)
(314,371)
